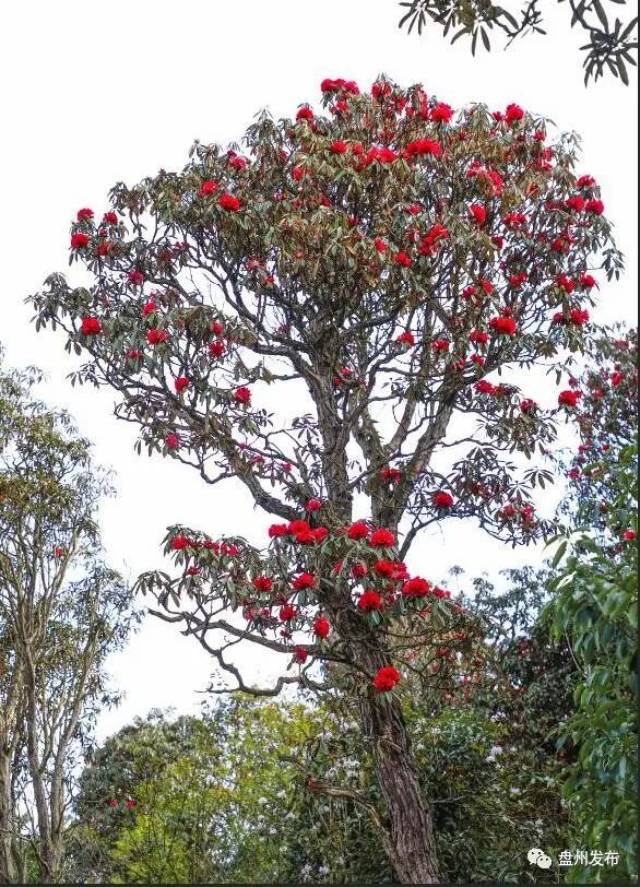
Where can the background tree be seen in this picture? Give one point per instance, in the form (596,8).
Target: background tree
(61,612)
(595,607)
(611,46)
(380,262)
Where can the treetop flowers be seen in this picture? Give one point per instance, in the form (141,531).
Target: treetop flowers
(358,530)
(172,441)
(79,240)
(569,398)
(304,580)
(370,601)
(386,678)
(181,383)
(406,338)
(229,202)
(262,583)
(287,613)
(329,85)
(207,188)
(416,587)
(242,395)
(403,259)
(504,325)
(304,113)
(322,627)
(442,499)
(90,326)
(382,538)
(441,113)
(423,147)
(478,213)
(513,113)
(84,213)
(629,535)
(313,505)
(157,337)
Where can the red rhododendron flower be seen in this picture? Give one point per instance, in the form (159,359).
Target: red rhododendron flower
(380,245)
(441,113)
(403,259)
(359,571)
(298,526)
(479,337)
(569,398)
(513,113)
(157,337)
(485,387)
(58,551)
(504,325)
(207,188)
(242,395)
(369,601)
(594,206)
(358,530)
(304,113)
(276,531)
(576,203)
(527,405)
(229,202)
(300,654)
(578,316)
(585,182)
(338,147)
(382,538)
(136,277)
(179,542)
(587,281)
(313,505)
(304,580)
(391,475)
(216,349)
(386,678)
(172,441)
(181,383)
(441,345)
(423,147)
(442,499)
(616,378)
(84,213)
(406,338)
(321,627)
(478,213)
(262,583)
(629,535)
(110,218)
(287,613)
(416,587)
(90,326)
(79,240)
(149,308)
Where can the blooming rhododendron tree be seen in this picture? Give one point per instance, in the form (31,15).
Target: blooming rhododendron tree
(343,258)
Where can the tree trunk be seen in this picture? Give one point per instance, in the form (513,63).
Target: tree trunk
(8,874)
(411,846)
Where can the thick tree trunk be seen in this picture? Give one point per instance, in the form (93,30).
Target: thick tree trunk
(411,847)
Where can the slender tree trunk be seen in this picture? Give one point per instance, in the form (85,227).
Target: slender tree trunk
(412,848)
(8,874)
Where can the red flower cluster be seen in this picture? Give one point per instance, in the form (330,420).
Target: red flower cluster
(386,678)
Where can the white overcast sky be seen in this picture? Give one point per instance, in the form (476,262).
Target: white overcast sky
(95,93)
